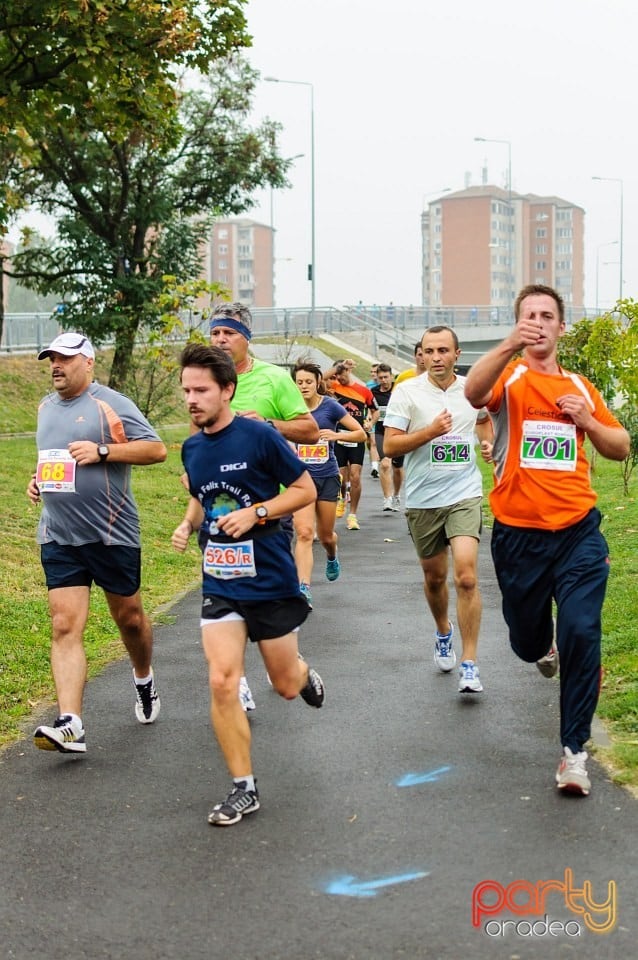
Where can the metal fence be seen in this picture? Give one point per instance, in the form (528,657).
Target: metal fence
(394,328)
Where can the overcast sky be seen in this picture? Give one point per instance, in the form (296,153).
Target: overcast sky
(400,91)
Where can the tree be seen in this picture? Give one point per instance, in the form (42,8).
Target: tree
(605,350)
(119,60)
(121,56)
(132,210)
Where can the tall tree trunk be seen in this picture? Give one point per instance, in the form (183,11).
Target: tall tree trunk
(2,259)
(123,356)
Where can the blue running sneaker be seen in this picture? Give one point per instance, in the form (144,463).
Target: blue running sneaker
(333,568)
(469,679)
(444,655)
(304,589)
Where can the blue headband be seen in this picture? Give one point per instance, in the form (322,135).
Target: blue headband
(232,324)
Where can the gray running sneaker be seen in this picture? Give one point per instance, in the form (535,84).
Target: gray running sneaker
(444,655)
(571,776)
(237,804)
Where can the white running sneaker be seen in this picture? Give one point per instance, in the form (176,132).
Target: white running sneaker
(245,696)
(444,655)
(571,775)
(469,679)
(396,503)
(147,701)
(387,504)
(66,735)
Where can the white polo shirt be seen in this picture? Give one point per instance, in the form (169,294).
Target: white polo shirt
(443,471)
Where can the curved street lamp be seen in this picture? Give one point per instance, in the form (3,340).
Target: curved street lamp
(618,180)
(510,239)
(313,279)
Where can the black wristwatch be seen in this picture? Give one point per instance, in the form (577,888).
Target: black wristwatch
(261,512)
(103,451)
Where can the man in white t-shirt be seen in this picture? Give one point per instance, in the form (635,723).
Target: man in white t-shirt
(429,420)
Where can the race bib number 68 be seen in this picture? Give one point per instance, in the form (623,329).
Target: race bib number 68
(55,472)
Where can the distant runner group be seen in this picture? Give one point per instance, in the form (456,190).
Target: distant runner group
(272,462)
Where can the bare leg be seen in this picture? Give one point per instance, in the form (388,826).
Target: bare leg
(135,630)
(326,514)
(384,476)
(355,486)
(69,609)
(468,597)
(287,672)
(224,646)
(436,591)
(304,521)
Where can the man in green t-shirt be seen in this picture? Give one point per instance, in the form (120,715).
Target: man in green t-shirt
(264,390)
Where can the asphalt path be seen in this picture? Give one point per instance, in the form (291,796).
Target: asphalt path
(384,814)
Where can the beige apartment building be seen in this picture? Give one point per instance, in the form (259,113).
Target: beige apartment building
(239,254)
(482,244)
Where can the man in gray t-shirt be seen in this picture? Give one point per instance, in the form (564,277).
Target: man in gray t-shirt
(88,437)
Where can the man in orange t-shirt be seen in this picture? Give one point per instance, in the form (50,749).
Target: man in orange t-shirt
(546,542)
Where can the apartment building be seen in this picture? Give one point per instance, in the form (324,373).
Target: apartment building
(482,244)
(239,254)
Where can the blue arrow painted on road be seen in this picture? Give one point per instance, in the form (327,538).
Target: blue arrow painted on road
(348,886)
(412,779)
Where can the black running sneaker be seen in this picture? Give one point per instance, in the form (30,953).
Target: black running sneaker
(237,804)
(147,705)
(314,692)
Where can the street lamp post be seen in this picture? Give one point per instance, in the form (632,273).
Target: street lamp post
(610,243)
(620,252)
(510,239)
(313,278)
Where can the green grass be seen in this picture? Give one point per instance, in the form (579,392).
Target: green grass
(25,677)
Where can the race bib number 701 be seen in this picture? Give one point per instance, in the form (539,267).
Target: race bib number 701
(548,446)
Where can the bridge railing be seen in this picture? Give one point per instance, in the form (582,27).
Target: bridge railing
(393,327)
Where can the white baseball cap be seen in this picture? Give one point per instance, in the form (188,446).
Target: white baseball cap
(69,345)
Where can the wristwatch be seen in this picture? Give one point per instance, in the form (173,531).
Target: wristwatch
(103,451)
(262,512)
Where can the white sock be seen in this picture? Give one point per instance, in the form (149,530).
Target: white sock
(140,681)
(74,718)
(249,782)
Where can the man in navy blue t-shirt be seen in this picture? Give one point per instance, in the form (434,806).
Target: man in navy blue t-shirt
(235,468)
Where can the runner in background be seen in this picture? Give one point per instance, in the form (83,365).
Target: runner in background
(391,473)
(358,401)
(321,463)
